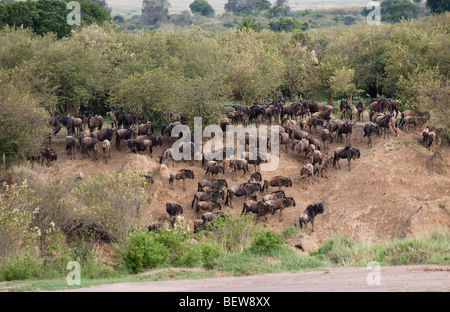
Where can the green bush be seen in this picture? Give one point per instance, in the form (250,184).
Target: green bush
(20,267)
(265,243)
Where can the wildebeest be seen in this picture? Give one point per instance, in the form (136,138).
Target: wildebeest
(101,135)
(386,123)
(95,122)
(424,114)
(214,168)
(301,146)
(89,144)
(325,136)
(183,174)
(218,183)
(360,107)
(124,134)
(206,206)
(255,177)
(291,110)
(415,121)
(307,173)
(74,125)
(54,123)
(313,122)
(284,139)
(254,159)
(369,129)
(278,181)
(280,204)
(174,210)
(274,195)
(347,152)
(344,128)
(70,146)
(238,164)
(146,129)
(167,156)
(206,218)
(310,214)
(136,146)
(322,166)
(244,189)
(345,109)
(208,196)
(106,149)
(49,155)
(260,208)
(432,138)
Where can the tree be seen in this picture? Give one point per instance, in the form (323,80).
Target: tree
(394,10)
(154,11)
(438,6)
(287,24)
(246,6)
(342,83)
(202,7)
(44,16)
(280,8)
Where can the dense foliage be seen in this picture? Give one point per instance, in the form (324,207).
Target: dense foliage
(189,71)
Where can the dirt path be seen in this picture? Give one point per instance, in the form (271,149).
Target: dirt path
(350,279)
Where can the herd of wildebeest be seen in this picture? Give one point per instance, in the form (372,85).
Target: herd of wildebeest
(305,127)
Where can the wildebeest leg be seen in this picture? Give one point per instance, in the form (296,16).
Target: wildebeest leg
(349,161)
(312,224)
(184,187)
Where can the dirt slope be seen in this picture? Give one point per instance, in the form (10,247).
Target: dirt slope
(390,191)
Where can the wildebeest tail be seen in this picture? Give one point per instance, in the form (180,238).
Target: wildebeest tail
(226,200)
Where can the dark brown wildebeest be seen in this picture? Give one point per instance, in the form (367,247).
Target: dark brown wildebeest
(347,152)
(74,125)
(95,122)
(260,208)
(146,129)
(167,156)
(218,183)
(214,168)
(369,130)
(54,123)
(278,181)
(208,196)
(174,210)
(345,109)
(254,159)
(70,146)
(280,204)
(205,218)
(360,107)
(206,206)
(238,164)
(291,110)
(89,144)
(333,126)
(315,107)
(183,174)
(255,177)
(244,189)
(155,227)
(297,134)
(378,106)
(325,113)
(48,155)
(136,146)
(106,149)
(345,128)
(386,123)
(310,214)
(101,135)
(124,134)
(393,106)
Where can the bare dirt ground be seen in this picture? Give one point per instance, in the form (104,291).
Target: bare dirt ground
(348,279)
(397,188)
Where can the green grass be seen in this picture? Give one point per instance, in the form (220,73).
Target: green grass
(276,257)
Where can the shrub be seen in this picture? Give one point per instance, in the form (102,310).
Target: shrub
(267,242)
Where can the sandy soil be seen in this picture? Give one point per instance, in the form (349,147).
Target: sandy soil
(390,191)
(349,279)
